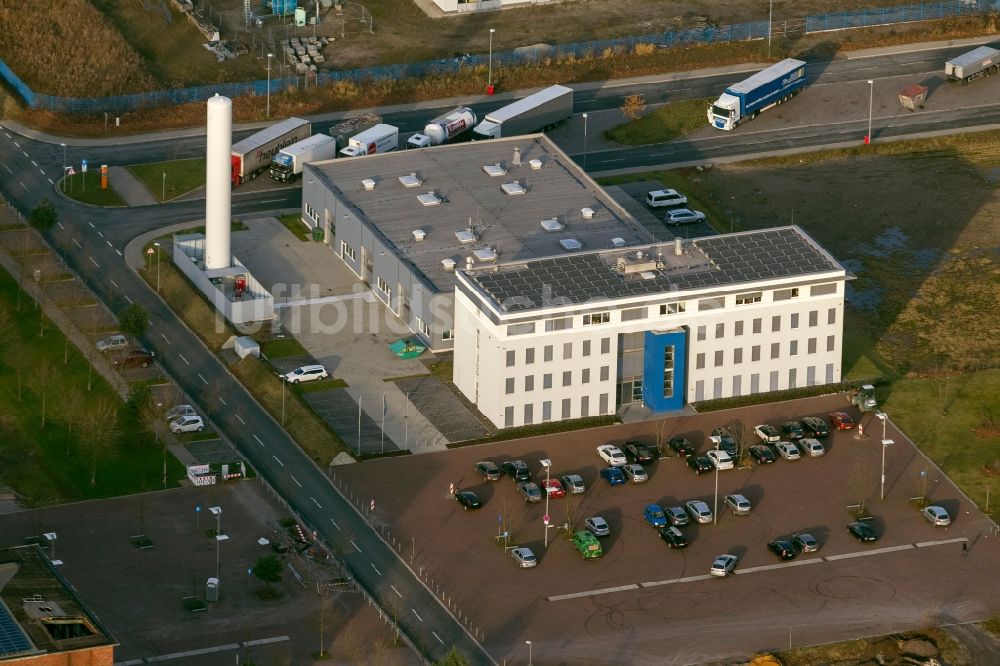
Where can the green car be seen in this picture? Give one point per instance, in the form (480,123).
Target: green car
(587,545)
(408,348)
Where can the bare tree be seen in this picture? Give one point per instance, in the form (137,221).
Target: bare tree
(741,435)
(8,327)
(72,408)
(43,379)
(100,429)
(151,413)
(15,355)
(634,106)
(861,484)
(660,430)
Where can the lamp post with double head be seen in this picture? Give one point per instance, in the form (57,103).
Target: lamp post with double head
(547,464)
(585,142)
(715,439)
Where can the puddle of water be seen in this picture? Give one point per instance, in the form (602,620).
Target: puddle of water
(891,240)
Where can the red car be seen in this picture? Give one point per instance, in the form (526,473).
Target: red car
(841,420)
(553,488)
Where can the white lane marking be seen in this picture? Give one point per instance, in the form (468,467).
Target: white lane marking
(655,583)
(192,653)
(617,159)
(128,299)
(334,523)
(355,546)
(184,359)
(164,338)
(594,593)
(118,252)
(77,243)
(258,440)
(393,587)
(61,226)
(101,234)
(17,144)
(108,242)
(240,419)
(316,503)
(865,553)
(93,262)
(434,634)
(24,186)
(9,170)
(204,381)
(376,568)
(265,641)
(91,224)
(222,401)
(925,544)
(278,461)
(269,200)
(113,283)
(414,611)
(50,181)
(782,565)
(25,153)
(295,480)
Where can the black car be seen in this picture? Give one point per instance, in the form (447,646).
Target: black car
(682,445)
(783,549)
(727,442)
(815,426)
(468,499)
(762,454)
(862,532)
(517,470)
(637,452)
(673,536)
(700,464)
(489,470)
(791,430)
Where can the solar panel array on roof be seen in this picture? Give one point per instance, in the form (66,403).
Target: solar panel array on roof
(12,639)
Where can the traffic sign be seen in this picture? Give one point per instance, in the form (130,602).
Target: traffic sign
(70,171)
(545,519)
(372,505)
(149,251)
(83,166)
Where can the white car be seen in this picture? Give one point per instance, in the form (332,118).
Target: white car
(767,433)
(612,455)
(187,424)
(179,410)
(683,216)
(306,373)
(812,447)
(723,565)
(788,451)
(664,198)
(635,472)
(699,511)
(112,343)
(937,516)
(720,459)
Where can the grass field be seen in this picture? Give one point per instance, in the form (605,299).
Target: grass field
(86,188)
(169,180)
(662,124)
(293,222)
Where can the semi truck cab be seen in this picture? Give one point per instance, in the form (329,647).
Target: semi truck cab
(724,114)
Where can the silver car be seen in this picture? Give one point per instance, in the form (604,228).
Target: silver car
(699,511)
(677,516)
(523,557)
(811,447)
(597,526)
(937,516)
(788,451)
(738,503)
(178,411)
(573,483)
(723,565)
(635,472)
(683,216)
(306,373)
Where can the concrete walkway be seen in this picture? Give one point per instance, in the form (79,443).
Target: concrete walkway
(131,189)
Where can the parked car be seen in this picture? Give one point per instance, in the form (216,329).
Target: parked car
(783,549)
(720,459)
(727,441)
(488,470)
(811,447)
(587,545)
(553,488)
(654,515)
(723,565)
(598,526)
(791,430)
(573,483)
(187,424)
(700,464)
(517,470)
(138,357)
(739,504)
(613,475)
(699,511)
(179,410)
(937,516)
(468,499)
(762,454)
(788,451)
(635,472)
(612,455)
(841,420)
(805,542)
(673,536)
(117,342)
(530,491)
(637,452)
(523,557)
(307,373)
(767,433)
(677,516)
(815,426)
(862,532)
(665,198)
(682,445)
(683,216)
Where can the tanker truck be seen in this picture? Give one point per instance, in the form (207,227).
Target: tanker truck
(444,128)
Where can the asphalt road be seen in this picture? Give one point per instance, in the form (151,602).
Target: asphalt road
(92,241)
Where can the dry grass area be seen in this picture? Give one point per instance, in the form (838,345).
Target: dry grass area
(888,650)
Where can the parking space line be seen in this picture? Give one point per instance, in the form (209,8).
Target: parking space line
(222,401)
(925,544)
(375,568)
(334,523)
(295,480)
(355,546)
(434,634)
(114,284)
(863,553)
(393,587)
(184,359)
(780,565)
(203,379)
(417,614)
(266,641)
(77,243)
(164,338)
(193,653)
(686,579)
(366,296)
(128,299)
(594,593)
(94,262)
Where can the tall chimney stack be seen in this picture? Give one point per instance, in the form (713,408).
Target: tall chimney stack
(218,190)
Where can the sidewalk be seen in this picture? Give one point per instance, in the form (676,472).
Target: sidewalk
(131,189)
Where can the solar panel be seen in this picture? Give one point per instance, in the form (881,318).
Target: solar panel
(12,639)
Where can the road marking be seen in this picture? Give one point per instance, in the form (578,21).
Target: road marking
(240,419)
(594,593)
(334,523)
(925,544)
(184,359)
(164,338)
(222,401)
(686,579)
(118,252)
(295,480)
(355,546)
(414,611)
(781,565)
(92,261)
(9,170)
(77,243)
(24,153)
(616,159)
(434,634)
(113,282)
(256,437)
(100,234)
(316,503)
(50,181)
(108,242)
(203,651)
(363,295)
(91,224)
(278,461)
(203,379)
(61,226)
(376,568)
(268,200)
(24,186)
(865,553)
(127,298)
(265,641)
(17,144)
(393,587)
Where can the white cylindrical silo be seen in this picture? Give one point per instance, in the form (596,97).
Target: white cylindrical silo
(217,182)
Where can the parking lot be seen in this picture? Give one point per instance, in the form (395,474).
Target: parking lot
(642,595)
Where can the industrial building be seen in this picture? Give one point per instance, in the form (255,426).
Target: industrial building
(557,303)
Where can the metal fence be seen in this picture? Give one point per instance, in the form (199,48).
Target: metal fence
(709,35)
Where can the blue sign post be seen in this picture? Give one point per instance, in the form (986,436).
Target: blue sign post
(197,513)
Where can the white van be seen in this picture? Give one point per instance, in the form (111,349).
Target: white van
(663,198)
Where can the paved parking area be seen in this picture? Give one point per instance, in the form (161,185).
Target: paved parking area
(340,410)
(633,197)
(442,408)
(641,593)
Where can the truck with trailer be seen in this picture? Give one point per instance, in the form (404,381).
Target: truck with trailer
(345,129)
(254,153)
(982,61)
(444,128)
(287,164)
(744,100)
(535,113)
(379,139)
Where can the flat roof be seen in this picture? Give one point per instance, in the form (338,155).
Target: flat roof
(470,198)
(713,261)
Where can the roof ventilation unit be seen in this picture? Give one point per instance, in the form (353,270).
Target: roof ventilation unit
(535,164)
(587,213)
(419,235)
(410,180)
(571,244)
(448,264)
(368,184)
(648,275)
(485,254)
(517,156)
(465,236)
(552,225)
(617,242)
(469,263)
(429,199)
(494,170)
(513,189)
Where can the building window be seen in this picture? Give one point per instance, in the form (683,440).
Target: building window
(510,358)
(529,417)
(521,329)
(567,377)
(510,385)
(567,350)
(813,317)
(447,334)
(720,331)
(605,345)
(831,341)
(717,388)
(831,316)
(605,372)
(719,360)
(422,327)
(312,213)
(785,294)
(633,314)
(775,349)
(596,318)
(699,361)
(566,408)
(701,333)
(383,286)
(738,328)
(711,304)
(603,403)
(823,289)
(829,373)
(793,348)
(547,410)
(586,347)
(791,378)
(747,299)
(755,353)
(738,355)
(585,406)
(508,417)
(811,375)
(668,371)
(529,383)
(811,346)
(529,355)
(754,383)
(585,376)
(775,380)
(673,308)
(775,323)
(699,390)
(560,324)
(347,251)
(547,353)
(794,323)
(756,325)
(547,380)
(737,384)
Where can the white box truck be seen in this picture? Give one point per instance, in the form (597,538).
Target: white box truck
(348,127)
(253,154)
(444,128)
(287,164)
(379,139)
(534,113)
(982,61)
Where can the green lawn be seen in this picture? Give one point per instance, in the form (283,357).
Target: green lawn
(50,464)
(293,222)
(282,347)
(663,124)
(169,180)
(86,188)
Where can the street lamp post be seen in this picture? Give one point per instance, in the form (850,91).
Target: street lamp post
(219,538)
(163,188)
(585,142)
(64,166)
(715,439)
(886,443)
(157,266)
(217,512)
(547,464)
(269,56)
(489,77)
(871,97)
(770,11)
(383,421)
(528,643)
